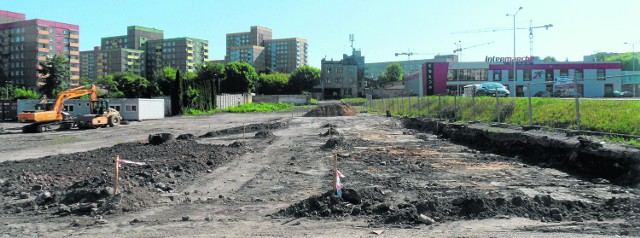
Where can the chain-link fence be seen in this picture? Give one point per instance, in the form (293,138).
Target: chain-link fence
(596,114)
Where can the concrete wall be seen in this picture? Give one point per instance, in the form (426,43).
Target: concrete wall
(232,100)
(290,99)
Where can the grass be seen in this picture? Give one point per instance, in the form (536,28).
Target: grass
(249,107)
(354,101)
(633,142)
(614,116)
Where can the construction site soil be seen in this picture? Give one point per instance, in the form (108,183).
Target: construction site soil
(270,174)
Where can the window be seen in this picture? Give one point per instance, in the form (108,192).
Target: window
(564,73)
(115,107)
(511,75)
(548,75)
(578,74)
(497,75)
(68,108)
(526,75)
(600,74)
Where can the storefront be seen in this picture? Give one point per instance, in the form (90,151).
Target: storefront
(595,79)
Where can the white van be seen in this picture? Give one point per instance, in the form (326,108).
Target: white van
(469,90)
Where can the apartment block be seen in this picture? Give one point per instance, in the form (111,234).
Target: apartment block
(26,43)
(183,54)
(89,63)
(258,48)
(120,60)
(286,55)
(134,39)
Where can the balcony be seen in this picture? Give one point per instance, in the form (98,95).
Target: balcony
(189,45)
(43,41)
(189,57)
(41,32)
(206,47)
(74,44)
(45,50)
(42,58)
(133,57)
(76,61)
(189,51)
(74,36)
(74,53)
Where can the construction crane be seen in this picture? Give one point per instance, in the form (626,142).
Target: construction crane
(409,53)
(473,46)
(530,28)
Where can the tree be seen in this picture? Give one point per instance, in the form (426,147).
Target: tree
(266,70)
(626,59)
(23,93)
(240,78)
(126,85)
(393,72)
(56,74)
(303,79)
(271,84)
(210,71)
(549,59)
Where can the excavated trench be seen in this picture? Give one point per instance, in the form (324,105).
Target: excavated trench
(584,157)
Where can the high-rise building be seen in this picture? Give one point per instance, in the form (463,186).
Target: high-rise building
(285,55)
(183,54)
(258,48)
(144,51)
(26,43)
(89,63)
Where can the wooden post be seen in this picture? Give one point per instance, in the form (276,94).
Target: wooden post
(243,131)
(335,172)
(115,180)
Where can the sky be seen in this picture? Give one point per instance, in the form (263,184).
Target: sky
(381,28)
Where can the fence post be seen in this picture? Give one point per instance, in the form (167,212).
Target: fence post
(497,106)
(427,104)
(575,89)
(419,107)
(473,104)
(402,101)
(410,108)
(439,106)
(455,107)
(530,106)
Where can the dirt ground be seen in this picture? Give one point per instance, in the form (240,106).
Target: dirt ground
(222,182)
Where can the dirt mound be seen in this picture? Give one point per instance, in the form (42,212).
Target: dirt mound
(82,183)
(245,129)
(331,132)
(332,111)
(264,134)
(156,139)
(462,205)
(329,125)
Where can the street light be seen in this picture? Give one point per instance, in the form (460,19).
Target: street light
(633,61)
(515,75)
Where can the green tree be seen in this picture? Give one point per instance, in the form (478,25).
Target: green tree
(303,78)
(110,84)
(56,74)
(240,78)
(626,59)
(266,70)
(126,85)
(393,72)
(23,93)
(549,59)
(211,71)
(271,84)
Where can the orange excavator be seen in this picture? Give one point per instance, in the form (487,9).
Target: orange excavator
(48,116)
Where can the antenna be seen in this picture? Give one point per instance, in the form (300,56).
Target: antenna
(352,39)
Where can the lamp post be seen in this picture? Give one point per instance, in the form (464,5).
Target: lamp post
(633,61)
(515,75)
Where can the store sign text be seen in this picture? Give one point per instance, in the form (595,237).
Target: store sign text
(510,60)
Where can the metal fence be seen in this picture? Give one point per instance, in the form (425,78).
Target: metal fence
(570,113)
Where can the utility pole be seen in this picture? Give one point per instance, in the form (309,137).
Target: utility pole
(515,74)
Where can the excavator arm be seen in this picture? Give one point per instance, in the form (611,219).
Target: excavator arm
(55,114)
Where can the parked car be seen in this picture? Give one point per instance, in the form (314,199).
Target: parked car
(625,94)
(542,94)
(490,89)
